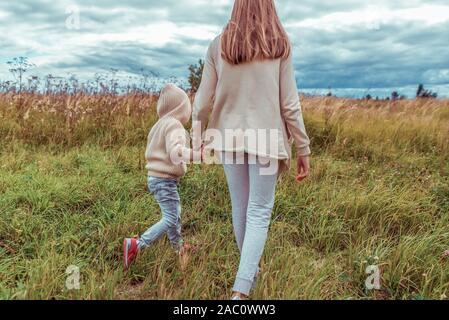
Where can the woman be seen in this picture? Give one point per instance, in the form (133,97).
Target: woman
(249,86)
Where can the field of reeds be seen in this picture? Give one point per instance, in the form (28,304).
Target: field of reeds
(72,185)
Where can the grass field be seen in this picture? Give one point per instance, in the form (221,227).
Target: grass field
(72,185)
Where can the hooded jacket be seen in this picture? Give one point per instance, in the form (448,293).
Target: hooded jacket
(168,144)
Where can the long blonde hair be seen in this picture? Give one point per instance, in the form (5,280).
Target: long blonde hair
(254,32)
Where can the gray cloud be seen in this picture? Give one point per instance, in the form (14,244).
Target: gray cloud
(394,55)
(402,49)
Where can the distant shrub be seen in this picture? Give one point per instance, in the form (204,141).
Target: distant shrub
(396,96)
(423,93)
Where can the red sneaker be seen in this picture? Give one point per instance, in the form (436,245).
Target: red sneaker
(130,251)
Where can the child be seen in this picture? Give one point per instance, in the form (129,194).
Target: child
(166,156)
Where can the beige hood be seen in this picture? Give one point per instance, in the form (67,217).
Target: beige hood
(174,102)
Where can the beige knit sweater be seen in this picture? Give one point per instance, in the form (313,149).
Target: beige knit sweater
(167,148)
(261,95)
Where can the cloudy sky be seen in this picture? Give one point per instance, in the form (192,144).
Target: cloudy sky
(338,43)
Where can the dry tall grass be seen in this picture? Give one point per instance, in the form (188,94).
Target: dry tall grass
(72,185)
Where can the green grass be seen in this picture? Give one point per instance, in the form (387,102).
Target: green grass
(370,200)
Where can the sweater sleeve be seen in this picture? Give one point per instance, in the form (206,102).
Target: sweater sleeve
(291,107)
(175,143)
(205,96)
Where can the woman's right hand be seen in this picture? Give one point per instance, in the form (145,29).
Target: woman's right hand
(303,168)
